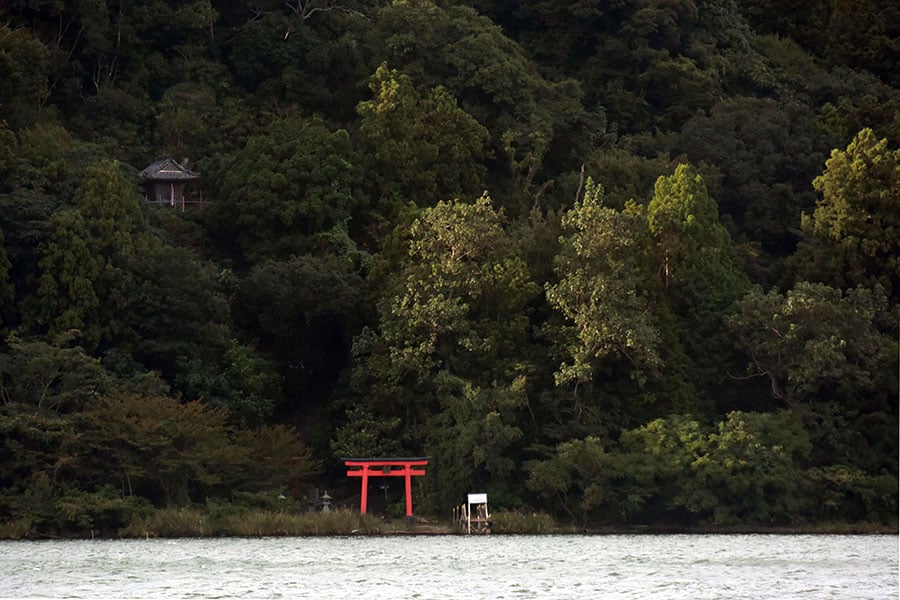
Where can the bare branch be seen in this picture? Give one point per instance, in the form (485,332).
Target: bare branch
(745,377)
(307,8)
(580,185)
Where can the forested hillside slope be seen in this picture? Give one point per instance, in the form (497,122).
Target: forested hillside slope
(630,261)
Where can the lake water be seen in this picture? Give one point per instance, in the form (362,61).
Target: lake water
(450,567)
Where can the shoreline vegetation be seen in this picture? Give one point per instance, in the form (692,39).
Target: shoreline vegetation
(198,522)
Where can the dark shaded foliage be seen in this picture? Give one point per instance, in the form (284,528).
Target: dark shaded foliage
(521,237)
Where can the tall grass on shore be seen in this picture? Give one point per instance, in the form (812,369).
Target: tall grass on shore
(340,522)
(514,522)
(192,522)
(169,522)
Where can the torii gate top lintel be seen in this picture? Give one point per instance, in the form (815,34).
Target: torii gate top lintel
(385,467)
(418,461)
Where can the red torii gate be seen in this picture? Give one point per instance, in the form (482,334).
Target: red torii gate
(385,467)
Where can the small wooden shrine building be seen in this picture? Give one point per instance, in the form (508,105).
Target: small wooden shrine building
(165,181)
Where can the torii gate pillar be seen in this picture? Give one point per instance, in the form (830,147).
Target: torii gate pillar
(385,467)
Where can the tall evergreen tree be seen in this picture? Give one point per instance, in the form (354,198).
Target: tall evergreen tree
(853,236)
(700,275)
(109,204)
(67,297)
(85,262)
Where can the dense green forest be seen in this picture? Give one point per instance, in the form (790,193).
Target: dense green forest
(619,261)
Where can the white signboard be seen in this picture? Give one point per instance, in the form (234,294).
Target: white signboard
(477,498)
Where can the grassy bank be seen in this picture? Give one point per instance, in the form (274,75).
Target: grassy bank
(200,522)
(515,522)
(237,521)
(251,523)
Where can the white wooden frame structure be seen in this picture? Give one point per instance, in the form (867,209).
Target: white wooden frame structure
(474,516)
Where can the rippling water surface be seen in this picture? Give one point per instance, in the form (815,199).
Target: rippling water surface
(564,567)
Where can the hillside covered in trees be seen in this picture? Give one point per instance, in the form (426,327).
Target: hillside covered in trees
(620,261)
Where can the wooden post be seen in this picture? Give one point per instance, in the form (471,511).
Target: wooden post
(364,499)
(407,475)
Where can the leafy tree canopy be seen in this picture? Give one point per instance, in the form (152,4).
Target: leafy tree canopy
(815,339)
(422,149)
(289,190)
(602,270)
(854,232)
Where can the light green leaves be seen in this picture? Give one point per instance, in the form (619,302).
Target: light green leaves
(463,289)
(421,147)
(855,229)
(602,272)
